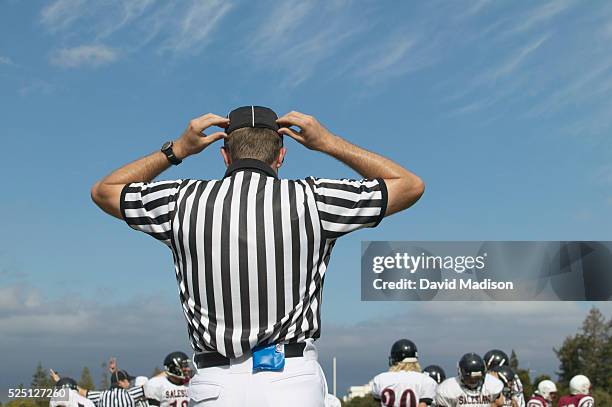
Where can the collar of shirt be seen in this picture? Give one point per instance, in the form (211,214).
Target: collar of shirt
(252,165)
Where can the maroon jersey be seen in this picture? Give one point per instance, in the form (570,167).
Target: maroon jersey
(577,400)
(537,401)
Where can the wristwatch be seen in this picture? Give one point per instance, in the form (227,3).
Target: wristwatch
(167,150)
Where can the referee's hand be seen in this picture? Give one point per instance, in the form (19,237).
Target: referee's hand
(312,134)
(54,376)
(194,140)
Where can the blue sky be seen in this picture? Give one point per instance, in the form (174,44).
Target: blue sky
(503,108)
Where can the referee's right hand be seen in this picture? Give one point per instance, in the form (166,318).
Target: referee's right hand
(193,140)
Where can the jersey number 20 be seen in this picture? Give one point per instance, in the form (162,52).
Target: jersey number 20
(407,399)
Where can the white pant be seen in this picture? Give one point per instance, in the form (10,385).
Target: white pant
(300,383)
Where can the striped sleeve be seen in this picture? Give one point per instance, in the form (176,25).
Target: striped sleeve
(94,396)
(148,207)
(137,392)
(346,205)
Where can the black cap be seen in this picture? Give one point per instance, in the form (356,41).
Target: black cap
(252,116)
(120,375)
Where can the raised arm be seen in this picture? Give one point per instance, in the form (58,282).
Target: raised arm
(56,378)
(107,192)
(403,187)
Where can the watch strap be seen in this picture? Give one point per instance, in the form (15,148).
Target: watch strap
(167,150)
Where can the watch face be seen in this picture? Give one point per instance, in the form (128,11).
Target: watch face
(166,145)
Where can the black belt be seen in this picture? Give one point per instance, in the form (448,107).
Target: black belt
(211,359)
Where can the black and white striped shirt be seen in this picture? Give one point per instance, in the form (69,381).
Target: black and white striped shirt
(116,397)
(251,250)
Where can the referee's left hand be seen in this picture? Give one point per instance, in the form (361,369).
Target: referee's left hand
(193,140)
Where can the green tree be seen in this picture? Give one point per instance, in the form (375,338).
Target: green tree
(589,352)
(24,402)
(514,363)
(367,401)
(86,381)
(606,361)
(523,374)
(40,378)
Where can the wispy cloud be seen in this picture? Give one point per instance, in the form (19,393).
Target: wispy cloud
(124,12)
(62,13)
(499,83)
(84,55)
(36,86)
(279,29)
(181,27)
(593,80)
(401,52)
(474,8)
(196,25)
(537,17)
(6,61)
(512,63)
(296,40)
(390,56)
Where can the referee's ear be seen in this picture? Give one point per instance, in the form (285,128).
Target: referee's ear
(226,157)
(280,159)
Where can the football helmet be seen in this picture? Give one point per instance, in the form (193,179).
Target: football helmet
(435,372)
(403,350)
(471,370)
(546,389)
(496,357)
(66,382)
(177,366)
(580,384)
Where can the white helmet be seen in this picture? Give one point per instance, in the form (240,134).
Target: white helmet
(580,384)
(545,387)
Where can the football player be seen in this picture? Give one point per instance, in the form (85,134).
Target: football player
(580,393)
(507,377)
(403,384)
(436,373)
(170,388)
(496,357)
(472,386)
(544,396)
(67,395)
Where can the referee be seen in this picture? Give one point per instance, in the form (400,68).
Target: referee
(120,393)
(251,250)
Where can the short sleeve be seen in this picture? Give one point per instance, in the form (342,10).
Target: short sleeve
(152,390)
(376,388)
(94,396)
(428,389)
(442,399)
(148,207)
(346,205)
(137,393)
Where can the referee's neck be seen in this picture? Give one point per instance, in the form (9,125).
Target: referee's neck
(250,164)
